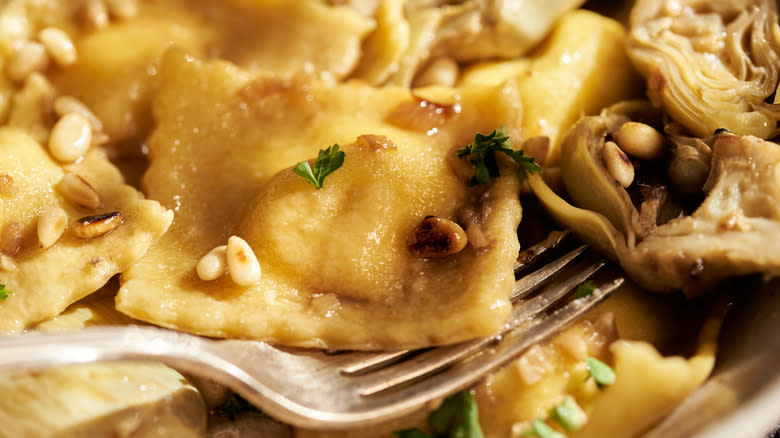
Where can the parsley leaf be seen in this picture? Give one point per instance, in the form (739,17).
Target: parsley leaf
(585,289)
(457,417)
(482,153)
(601,372)
(328,161)
(541,429)
(568,414)
(4,292)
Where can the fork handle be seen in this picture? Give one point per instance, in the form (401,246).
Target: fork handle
(37,351)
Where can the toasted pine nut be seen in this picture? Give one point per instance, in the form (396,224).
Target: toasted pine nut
(440,71)
(640,140)
(68,104)
(51,224)
(96,14)
(29,57)
(76,189)
(70,138)
(59,45)
(95,226)
(476,236)
(123,9)
(618,165)
(689,169)
(243,266)
(212,265)
(11,238)
(7,263)
(436,237)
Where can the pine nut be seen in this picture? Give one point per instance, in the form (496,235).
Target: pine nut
(59,46)
(51,224)
(11,238)
(95,226)
(96,13)
(212,265)
(618,165)
(640,140)
(29,57)
(476,236)
(689,169)
(441,71)
(68,104)
(243,266)
(123,9)
(70,138)
(76,189)
(436,237)
(7,263)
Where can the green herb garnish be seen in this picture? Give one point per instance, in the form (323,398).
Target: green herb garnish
(4,292)
(585,289)
(601,372)
(540,428)
(482,154)
(567,414)
(457,417)
(328,161)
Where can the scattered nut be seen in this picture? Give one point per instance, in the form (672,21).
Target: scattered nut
(618,165)
(96,13)
(59,45)
(640,140)
(70,137)
(68,104)
(243,266)
(212,265)
(29,57)
(435,237)
(51,224)
(11,238)
(7,263)
(123,9)
(76,189)
(97,225)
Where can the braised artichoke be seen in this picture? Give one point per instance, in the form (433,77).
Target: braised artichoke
(730,233)
(710,64)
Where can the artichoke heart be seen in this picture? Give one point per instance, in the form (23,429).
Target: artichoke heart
(728,234)
(710,65)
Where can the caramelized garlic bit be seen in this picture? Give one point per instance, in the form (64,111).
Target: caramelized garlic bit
(59,45)
(11,238)
(30,56)
(76,189)
(7,186)
(7,263)
(640,140)
(476,236)
(618,165)
(64,105)
(734,221)
(375,142)
(423,115)
(243,267)
(51,225)
(95,226)
(212,265)
(70,138)
(436,237)
(325,304)
(441,71)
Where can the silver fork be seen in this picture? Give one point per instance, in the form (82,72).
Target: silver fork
(340,390)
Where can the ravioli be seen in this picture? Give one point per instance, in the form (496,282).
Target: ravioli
(45,281)
(335,268)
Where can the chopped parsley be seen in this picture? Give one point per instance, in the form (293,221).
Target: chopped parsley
(540,428)
(567,414)
(585,289)
(482,153)
(457,417)
(601,372)
(4,292)
(328,161)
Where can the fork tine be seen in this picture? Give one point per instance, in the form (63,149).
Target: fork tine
(530,282)
(438,358)
(373,362)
